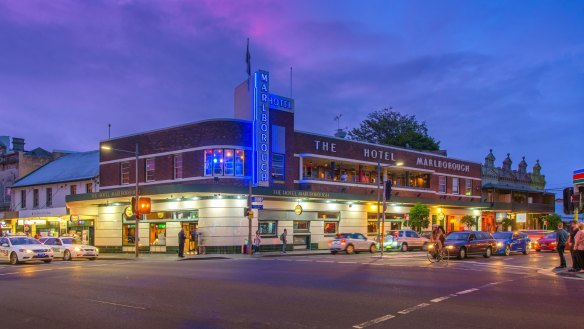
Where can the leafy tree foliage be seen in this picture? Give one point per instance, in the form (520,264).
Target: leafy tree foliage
(393,128)
(419,216)
(552,221)
(470,221)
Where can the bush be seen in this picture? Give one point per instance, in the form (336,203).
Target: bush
(419,216)
(552,221)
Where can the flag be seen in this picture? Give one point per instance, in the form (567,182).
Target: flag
(248,59)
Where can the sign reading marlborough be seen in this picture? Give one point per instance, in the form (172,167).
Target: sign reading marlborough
(261,119)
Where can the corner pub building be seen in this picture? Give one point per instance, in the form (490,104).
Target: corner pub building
(313,185)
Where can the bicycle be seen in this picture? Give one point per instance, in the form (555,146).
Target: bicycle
(435,257)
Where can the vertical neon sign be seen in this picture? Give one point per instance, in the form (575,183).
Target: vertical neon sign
(261,103)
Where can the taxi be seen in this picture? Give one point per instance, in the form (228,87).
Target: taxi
(69,248)
(18,249)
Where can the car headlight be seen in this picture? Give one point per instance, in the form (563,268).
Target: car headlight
(28,251)
(77,249)
(96,250)
(431,246)
(450,247)
(499,244)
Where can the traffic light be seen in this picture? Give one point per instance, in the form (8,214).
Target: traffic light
(388,185)
(248,213)
(144,205)
(134,205)
(568,201)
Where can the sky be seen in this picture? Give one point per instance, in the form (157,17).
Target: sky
(501,75)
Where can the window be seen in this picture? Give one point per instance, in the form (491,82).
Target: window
(73,189)
(88,187)
(269,228)
(331,227)
(224,162)
(49,197)
(23,199)
(441,184)
(411,234)
(301,226)
(150,168)
(129,234)
(178,166)
(35,198)
(7,193)
(372,227)
(278,166)
(455,182)
(468,187)
(125,172)
(157,234)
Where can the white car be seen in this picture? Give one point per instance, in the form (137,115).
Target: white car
(404,240)
(352,242)
(17,249)
(69,248)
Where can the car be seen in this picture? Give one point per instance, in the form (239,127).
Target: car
(464,243)
(18,249)
(352,243)
(548,242)
(508,242)
(404,240)
(69,248)
(535,235)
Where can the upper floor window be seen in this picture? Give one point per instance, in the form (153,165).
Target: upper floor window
(278,166)
(23,199)
(224,162)
(178,166)
(35,198)
(150,169)
(73,189)
(442,184)
(49,197)
(88,188)
(125,172)
(455,185)
(468,187)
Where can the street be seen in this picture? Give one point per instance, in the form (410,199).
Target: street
(319,291)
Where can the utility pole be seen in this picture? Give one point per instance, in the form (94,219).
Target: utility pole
(249,216)
(384,206)
(378,200)
(136,234)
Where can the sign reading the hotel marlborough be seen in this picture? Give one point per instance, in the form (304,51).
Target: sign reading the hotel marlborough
(261,122)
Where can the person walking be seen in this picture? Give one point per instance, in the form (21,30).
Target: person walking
(561,239)
(579,247)
(181,242)
(283,237)
(193,242)
(256,242)
(573,233)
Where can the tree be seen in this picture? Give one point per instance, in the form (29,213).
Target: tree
(552,221)
(508,223)
(393,128)
(419,216)
(469,221)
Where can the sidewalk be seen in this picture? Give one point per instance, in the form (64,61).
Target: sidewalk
(170,257)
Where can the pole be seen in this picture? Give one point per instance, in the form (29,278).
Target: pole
(378,199)
(136,234)
(249,218)
(384,206)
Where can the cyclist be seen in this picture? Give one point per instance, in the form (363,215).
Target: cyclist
(438,237)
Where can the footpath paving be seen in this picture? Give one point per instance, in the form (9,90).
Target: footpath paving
(174,257)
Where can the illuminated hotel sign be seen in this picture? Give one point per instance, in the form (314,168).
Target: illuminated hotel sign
(429,162)
(281,103)
(261,122)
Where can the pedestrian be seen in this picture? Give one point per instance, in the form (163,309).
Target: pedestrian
(561,239)
(283,237)
(579,247)
(193,243)
(573,233)
(181,242)
(256,242)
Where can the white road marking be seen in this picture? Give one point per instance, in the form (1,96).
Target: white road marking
(374,321)
(115,304)
(347,262)
(466,291)
(413,308)
(438,300)
(325,261)
(304,260)
(10,273)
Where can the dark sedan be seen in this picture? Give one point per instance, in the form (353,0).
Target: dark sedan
(464,243)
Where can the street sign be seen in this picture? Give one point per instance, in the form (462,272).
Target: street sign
(257,199)
(257,206)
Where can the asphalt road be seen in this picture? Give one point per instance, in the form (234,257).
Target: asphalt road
(320,291)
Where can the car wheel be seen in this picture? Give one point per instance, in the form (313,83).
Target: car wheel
(333,252)
(404,247)
(372,249)
(67,255)
(462,253)
(14,259)
(350,249)
(47,261)
(507,250)
(488,253)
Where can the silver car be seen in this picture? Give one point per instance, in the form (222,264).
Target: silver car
(352,243)
(404,240)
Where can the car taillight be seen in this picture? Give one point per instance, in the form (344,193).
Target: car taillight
(343,241)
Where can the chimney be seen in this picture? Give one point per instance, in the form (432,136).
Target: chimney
(18,144)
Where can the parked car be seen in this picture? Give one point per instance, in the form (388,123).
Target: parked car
(535,235)
(508,242)
(69,248)
(352,243)
(548,242)
(464,243)
(18,249)
(404,240)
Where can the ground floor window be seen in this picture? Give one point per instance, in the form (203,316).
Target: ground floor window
(331,227)
(129,234)
(372,227)
(158,234)
(301,226)
(268,227)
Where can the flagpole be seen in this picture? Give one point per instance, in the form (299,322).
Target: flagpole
(248,62)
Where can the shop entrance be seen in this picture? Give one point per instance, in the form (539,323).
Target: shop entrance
(192,242)
(82,229)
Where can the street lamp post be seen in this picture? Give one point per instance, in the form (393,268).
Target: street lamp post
(136,153)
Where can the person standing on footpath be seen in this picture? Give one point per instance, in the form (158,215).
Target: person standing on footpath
(193,243)
(573,232)
(283,237)
(561,239)
(181,242)
(256,242)
(579,247)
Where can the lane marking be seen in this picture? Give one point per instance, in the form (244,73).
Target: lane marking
(374,321)
(304,260)
(115,304)
(438,300)
(347,262)
(324,261)
(413,308)
(466,291)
